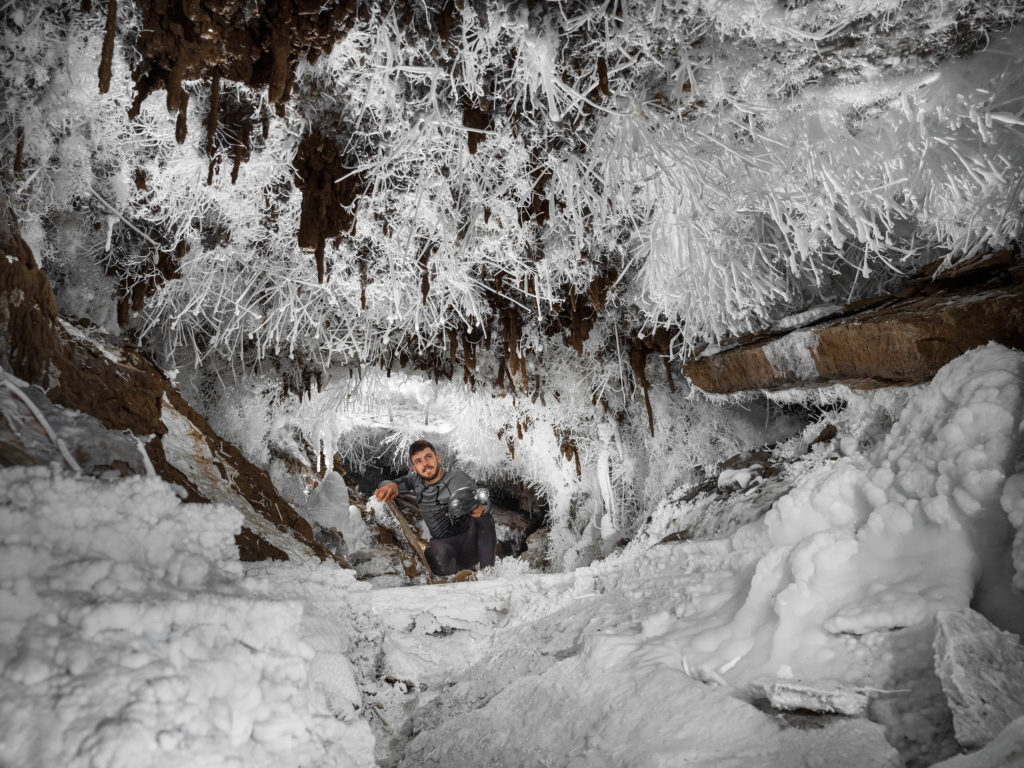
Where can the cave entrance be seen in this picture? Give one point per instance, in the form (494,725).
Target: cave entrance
(383,555)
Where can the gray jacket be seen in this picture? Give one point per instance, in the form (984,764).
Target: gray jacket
(433,500)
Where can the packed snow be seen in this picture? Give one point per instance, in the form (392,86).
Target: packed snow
(131,635)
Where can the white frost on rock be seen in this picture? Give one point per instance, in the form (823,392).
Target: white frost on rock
(982,673)
(793,354)
(740,478)
(808,316)
(189,452)
(355,531)
(327,504)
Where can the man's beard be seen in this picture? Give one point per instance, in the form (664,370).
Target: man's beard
(434,475)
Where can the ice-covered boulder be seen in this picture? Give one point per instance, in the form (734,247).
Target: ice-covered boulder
(1013,504)
(1007,751)
(328,503)
(537,548)
(982,672)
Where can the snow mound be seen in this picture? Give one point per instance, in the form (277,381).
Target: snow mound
(128,636)
(882,541)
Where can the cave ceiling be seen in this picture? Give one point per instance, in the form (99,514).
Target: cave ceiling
(485,190)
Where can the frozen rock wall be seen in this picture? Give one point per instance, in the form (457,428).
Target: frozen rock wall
(982,673)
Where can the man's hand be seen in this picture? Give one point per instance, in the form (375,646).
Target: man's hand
(388,491)
(478,511)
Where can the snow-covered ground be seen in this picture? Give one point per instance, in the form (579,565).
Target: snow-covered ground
(130,635)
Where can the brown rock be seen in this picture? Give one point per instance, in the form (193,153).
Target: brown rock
(326,201)
(28,311)
(904,341)
(982,673)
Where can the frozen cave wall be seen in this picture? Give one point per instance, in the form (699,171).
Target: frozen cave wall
(118,414)
(293,206)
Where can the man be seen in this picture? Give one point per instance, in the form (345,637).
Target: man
(457,542)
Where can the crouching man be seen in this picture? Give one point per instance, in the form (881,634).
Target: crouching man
(456,511)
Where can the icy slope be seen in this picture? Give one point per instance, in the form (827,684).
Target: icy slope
(130,635)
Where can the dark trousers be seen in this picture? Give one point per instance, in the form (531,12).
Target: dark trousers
(474,545)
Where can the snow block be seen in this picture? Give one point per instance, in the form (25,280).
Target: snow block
(830,696)
(982,672)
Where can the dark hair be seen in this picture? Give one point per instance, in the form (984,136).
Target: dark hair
(418,446)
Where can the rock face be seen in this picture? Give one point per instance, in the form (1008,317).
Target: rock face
(124,392)
(982,672)
(902,340)
(24,441)
(741,489)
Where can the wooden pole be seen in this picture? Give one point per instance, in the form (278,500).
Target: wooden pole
(417,542)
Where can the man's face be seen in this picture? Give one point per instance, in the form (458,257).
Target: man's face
(427,465)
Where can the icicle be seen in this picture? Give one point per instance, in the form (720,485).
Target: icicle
(19,169)
(150,471)
(107,56)
(212,115)
(425,274)
(110,232)
(211,129)
(181,124)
